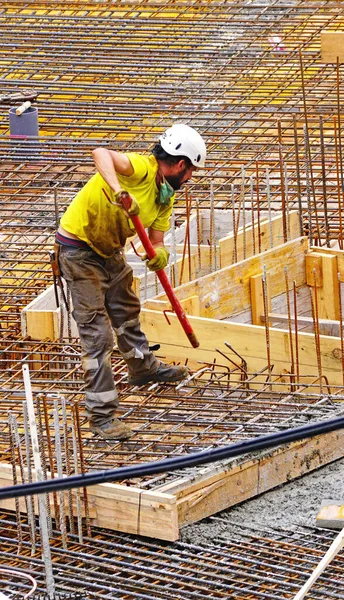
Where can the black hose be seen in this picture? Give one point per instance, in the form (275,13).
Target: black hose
(172,464)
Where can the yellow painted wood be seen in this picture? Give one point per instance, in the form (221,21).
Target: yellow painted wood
(332,46)
(226,244)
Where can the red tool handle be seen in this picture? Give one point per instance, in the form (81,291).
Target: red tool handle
(146,243)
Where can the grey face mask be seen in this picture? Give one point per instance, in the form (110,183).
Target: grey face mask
(166,192)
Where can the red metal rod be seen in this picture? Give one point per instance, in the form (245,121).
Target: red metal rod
(141,232)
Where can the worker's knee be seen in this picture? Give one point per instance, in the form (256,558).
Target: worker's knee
(95,332)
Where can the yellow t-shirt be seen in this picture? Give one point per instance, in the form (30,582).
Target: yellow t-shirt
(103,226)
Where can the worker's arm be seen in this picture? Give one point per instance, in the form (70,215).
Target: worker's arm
(156,237)
(108,163)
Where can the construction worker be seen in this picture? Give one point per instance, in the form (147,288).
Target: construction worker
(90,242)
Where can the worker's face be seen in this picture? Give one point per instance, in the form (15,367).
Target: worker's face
(179,174)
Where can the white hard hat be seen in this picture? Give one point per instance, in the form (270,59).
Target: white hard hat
(182,140)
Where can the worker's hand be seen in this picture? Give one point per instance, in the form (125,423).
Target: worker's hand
(134,209)
(159,261)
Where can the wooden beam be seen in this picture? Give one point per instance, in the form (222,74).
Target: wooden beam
(332,46)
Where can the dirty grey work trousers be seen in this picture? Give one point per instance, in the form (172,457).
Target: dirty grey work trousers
(103,298)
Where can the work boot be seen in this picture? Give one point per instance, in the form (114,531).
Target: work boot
(164,373)
(114,430)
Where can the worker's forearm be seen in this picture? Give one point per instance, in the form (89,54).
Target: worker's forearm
(158,244)
(105,167)
(156,238)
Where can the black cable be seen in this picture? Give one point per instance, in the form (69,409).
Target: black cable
(172,464)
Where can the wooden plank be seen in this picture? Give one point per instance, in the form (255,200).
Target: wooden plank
(160,513)
(340,258)
(227,292)
(332,46)
(42,324)
(226,244)
(322,273)
(248,340)
(328,296)
(257,298)
(121,508)
(314,274)
(217,493)
(191,305)
(132,510)
(326,326)
(216,489)
(154,304)
(221,294)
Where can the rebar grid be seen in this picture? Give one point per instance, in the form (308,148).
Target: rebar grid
(215,407)
(271,565)
(237,90)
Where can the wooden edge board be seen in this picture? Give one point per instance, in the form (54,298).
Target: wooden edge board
(209,494)
(118,507)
